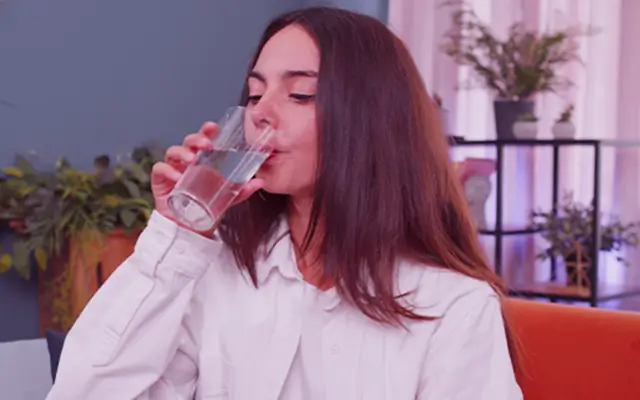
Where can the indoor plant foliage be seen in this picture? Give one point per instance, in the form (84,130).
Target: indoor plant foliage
(76,226)
(513,68)
(563,128)
(524,63)
(573,225)
(53,206)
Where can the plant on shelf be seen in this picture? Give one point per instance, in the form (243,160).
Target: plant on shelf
(563,127)
(528,117)
(69,214)
(569,233)
(65,203)
(526,126)
(514,68)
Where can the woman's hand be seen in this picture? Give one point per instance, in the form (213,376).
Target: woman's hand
(165,175)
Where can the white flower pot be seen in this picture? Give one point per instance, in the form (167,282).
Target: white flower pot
(477,189)
(564,130)
(525,129)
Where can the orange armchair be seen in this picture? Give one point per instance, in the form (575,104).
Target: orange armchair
(576,353)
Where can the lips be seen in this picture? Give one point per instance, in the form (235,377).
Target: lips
(272,156)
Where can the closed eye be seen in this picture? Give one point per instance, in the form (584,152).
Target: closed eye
(254,99)
(303,98)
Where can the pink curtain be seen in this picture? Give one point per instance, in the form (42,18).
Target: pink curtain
(606,97)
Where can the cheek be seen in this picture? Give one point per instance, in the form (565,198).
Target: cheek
(307,152)
(296,169)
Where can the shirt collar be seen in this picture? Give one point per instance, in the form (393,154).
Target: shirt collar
(279,255)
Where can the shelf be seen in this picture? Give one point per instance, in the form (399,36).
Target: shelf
(558,291)
(508,231)
(531,142)
(547,142)
(548,290)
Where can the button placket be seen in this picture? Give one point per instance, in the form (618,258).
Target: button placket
(343,340)
(284,344)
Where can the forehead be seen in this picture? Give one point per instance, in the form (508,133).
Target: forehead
(292,48)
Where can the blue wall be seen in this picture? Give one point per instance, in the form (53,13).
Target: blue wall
(18,303)
(85,77)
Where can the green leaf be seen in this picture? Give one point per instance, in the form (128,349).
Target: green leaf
(14,172)
(21,259)
(41,258)
(62,163)
(5,263)
(24,165)
(128,218)
(134,190)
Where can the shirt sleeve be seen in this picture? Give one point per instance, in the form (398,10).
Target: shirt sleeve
(136,338)
(468,356)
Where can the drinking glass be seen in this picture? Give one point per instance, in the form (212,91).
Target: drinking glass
(209,185)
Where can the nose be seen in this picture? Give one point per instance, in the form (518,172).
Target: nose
(264,115)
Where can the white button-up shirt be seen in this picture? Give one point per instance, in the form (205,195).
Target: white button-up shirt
(178,320)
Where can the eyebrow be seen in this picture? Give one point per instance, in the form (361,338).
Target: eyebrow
(286,75)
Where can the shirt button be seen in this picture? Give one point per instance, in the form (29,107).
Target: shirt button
(335,349)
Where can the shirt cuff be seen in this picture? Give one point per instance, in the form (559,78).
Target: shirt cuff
(163,240)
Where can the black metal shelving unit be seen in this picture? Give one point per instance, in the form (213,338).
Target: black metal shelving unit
(554,291)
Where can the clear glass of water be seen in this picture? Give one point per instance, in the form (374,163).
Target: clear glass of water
(209,185)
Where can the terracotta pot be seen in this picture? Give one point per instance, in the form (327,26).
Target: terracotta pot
(93,261)
(53,304)
(69,281)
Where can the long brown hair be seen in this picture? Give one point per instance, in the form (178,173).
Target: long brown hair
(386,188)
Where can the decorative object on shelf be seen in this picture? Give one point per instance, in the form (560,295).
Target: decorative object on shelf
(70,223)
(444,114)
(526,127)
(475,173)
(577,262)
(507,113)
(569,232)
(514,68)
(563,128)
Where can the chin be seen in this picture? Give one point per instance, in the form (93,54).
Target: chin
(274,188)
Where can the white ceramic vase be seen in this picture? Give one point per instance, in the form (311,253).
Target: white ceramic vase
(525,129)
(564,130)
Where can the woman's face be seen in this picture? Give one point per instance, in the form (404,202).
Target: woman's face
(282,94)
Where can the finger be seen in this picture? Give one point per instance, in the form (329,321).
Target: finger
(179,156)
(164,174)
(249,189)
(198,141)
(209,129)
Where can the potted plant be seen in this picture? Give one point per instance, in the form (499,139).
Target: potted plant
(569,233)
(73,226)
(563,128)
(514,68)
(525,127)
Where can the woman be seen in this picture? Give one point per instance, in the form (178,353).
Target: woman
(353,273)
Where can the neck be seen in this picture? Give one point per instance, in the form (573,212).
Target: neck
(309,262)
(299,218)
